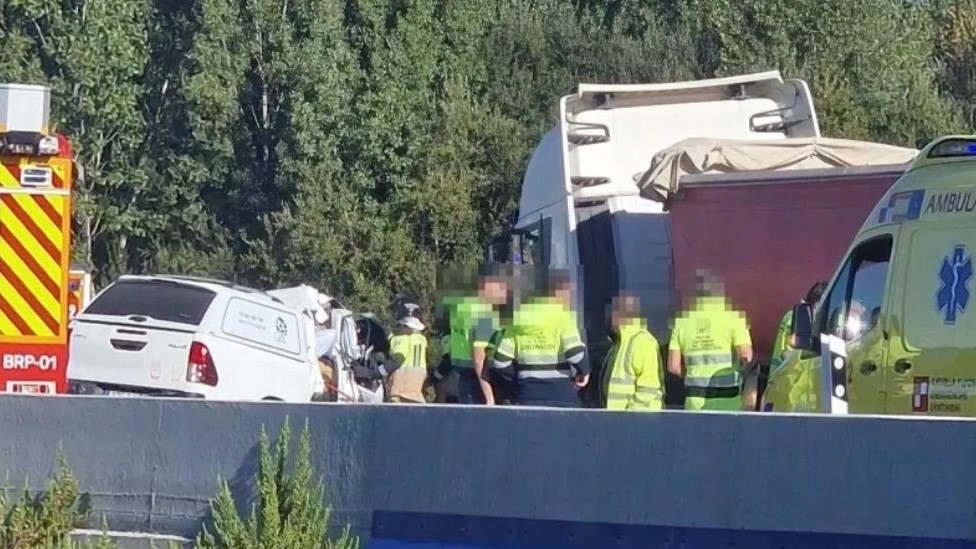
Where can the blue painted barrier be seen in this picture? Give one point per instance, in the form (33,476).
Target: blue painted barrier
(420,531)
(447,476)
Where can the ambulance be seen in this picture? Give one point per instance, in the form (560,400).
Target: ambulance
(36,176)
(901,304)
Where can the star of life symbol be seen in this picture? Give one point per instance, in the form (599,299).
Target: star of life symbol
(953,296)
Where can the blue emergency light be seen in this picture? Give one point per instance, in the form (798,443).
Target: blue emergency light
(954,147)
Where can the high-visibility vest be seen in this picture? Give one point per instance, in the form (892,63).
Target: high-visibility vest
(781,343)
(472,324)
(635,371)
(541,342)
(413,349)
(706,336)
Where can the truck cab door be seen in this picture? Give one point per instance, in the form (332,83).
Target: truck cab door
(932,348)
(855,310)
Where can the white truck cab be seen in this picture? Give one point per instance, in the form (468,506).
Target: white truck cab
(581,206)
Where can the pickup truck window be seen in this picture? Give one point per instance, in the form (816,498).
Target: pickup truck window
(157,299)
(853,306)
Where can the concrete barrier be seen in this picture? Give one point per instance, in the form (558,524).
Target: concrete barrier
(446,476)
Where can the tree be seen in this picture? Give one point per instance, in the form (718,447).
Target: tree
(869,63)
(93,54)
(955,51)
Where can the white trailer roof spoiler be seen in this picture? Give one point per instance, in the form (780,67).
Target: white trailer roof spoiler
(611,131)
(772,76)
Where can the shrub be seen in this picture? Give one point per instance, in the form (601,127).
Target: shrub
(45,520)
(290,511)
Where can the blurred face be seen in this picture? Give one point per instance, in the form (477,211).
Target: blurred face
(564,294)
(623,310)
(616,317)
(494,292)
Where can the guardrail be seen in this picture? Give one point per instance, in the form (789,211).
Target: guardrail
(510,477)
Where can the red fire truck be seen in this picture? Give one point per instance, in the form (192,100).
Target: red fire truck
(36,176)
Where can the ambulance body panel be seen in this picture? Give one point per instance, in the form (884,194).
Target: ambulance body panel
(902,299)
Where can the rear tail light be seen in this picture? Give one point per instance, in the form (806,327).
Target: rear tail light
(200,367)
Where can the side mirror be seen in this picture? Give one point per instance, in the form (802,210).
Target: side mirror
(802,328)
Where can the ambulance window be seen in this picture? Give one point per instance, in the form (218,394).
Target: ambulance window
(854,304)
(833,311)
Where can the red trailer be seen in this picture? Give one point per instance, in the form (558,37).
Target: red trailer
(770,235)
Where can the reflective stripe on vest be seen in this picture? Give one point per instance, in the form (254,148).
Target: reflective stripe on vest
(711,375)
(621,389)
(538,343)
(560,373)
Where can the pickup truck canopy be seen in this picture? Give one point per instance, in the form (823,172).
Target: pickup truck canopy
(715,156)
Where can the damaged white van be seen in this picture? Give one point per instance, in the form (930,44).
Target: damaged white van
(171,336)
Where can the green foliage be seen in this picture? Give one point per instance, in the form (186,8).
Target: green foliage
(289,513)
(360,145)
(43,520)
(955,50)
(869,63)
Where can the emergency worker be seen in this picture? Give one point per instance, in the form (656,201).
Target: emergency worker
(473,320)
(706,340)
(632,376)
(542,355)
(406,369)
(782,341)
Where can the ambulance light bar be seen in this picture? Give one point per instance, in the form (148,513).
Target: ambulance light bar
(954,147)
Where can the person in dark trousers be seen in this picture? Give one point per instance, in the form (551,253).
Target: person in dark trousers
(542,354)
(473,321)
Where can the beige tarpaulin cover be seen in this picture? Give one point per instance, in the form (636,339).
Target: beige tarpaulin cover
(708,156)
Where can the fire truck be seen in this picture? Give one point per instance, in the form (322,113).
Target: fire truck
(36,177)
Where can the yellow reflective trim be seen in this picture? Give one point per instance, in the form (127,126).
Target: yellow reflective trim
(30,243)
(23,309)
(7,327)
(7,179)
(27,276)
(43,222)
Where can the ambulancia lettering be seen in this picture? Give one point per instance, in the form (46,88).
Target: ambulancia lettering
(951,203)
